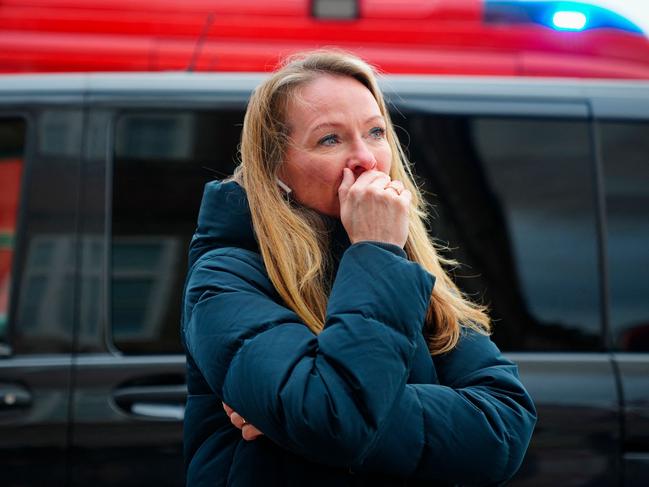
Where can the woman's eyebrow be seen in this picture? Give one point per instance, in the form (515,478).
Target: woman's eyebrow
(375,117)
(325,125)
(339,124)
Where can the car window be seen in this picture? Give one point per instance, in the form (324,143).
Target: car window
(12,149)
(45,260)
(162,160)
(625,153)
(513,201)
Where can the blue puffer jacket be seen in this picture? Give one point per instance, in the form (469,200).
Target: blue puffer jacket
(363,402)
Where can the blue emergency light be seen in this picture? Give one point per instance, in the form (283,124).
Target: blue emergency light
(558,15)
(569,20)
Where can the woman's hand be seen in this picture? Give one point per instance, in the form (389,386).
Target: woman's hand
(373,207)
(248,431)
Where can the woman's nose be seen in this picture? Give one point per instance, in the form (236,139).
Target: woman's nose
(361,158)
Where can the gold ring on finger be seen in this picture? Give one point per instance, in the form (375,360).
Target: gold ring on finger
(390,186)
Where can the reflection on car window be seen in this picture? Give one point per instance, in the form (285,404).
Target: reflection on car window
(43,321)
(162,161)
(625,151)
(12,148)
(514,200)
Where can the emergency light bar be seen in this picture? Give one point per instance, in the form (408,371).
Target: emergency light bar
(558,15)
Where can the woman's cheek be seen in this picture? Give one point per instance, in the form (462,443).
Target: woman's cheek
(386,159)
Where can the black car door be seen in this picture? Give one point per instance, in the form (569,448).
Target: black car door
(145,166)
(622,128)
(39,169)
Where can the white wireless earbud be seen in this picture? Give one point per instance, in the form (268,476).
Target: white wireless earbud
(283,185)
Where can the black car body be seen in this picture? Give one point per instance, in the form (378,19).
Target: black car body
(539,187)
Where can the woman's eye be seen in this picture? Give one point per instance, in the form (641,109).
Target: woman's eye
(377,132)
(330,139)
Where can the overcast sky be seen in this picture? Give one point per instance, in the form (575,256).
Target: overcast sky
(635,10)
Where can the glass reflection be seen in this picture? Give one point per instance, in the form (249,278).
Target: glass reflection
(625,149)
(45,268)
(12,147)
(162,161)
(514,200)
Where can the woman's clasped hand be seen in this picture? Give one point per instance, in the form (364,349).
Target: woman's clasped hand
(374,207)
(248,431)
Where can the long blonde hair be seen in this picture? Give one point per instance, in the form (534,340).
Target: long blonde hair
(293,240)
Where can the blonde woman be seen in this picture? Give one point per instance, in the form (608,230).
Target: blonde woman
(317,308)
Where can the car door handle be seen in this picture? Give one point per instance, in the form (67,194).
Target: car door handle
(14,396)
(165,402)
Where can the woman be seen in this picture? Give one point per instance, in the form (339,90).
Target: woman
(316,307)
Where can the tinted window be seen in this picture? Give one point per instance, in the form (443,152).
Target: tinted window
(513,198)
(514,201)
(45,263)
(162,161)
(625,151)
(12,148)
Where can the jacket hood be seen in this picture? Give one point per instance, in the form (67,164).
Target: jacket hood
(224,220)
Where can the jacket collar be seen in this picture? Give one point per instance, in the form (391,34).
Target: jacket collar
(224,220)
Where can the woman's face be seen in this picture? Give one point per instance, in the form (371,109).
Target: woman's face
(334,122)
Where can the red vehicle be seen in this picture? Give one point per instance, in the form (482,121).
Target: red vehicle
(532,38)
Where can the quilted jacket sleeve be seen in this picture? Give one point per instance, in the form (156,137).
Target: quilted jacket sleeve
(473,430)
(325,397)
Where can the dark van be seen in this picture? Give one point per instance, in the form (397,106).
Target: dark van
(539,187)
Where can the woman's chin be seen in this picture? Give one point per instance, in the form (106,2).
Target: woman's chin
(333,212)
